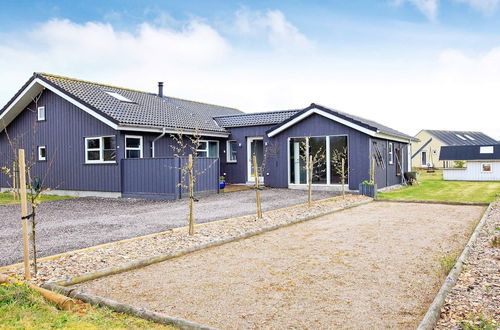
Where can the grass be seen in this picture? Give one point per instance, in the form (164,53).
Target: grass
(447,262)
(433,187)
(8,198)
(23,308)
(478,322)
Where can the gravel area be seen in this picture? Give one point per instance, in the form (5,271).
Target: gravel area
(475,299)
(122,252)
(373,266)
(67,225)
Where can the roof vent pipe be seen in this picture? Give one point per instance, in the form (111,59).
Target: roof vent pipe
(160,88)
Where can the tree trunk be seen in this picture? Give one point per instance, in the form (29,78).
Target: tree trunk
(257,191)
(343,178)
(309,181)
(191,195)
(33,239)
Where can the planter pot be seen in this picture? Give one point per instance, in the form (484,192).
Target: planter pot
(369,190)
(222,185)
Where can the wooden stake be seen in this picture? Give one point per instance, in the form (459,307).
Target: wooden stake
(257,191)
(24,212)
(191,195)
(309,169)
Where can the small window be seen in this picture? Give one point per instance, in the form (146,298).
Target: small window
(42,153)
(424,158)
(208,149)
(486,150)
(133,146)
(41,114)
(391,153)
(231,151)
(486,167)
(119,97)
(100,149)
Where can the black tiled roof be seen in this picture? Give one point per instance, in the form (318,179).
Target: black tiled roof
(255,119)
(146,109)
(451,138)
(470,152)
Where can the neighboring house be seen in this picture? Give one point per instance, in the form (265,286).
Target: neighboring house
(482,162)
(425,152)
(103,139)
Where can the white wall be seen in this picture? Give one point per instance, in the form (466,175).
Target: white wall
(473,172)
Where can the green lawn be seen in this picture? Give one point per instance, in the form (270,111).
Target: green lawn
(8,198)
(22,308)
(433,187)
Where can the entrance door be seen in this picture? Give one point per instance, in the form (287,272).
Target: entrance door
(255,146)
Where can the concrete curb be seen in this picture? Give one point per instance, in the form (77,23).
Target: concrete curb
(430,202)
(152,260)
(434,312)
(169,231)
(127,309)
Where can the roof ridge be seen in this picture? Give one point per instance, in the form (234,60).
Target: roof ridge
(259,113)
(43,74)
(205,103)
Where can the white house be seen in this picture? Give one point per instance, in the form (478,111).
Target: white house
(482,162)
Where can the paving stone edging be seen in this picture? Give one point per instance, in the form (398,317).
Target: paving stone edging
(434,312)
(127,309)
(72,280)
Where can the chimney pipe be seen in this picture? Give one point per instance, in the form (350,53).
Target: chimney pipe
(160,88)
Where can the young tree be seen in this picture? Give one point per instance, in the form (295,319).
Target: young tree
(185,149)
(313,164)
(340,166)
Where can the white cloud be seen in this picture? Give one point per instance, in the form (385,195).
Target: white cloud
(487,7)
(427,7)
(280,33)
(450,90)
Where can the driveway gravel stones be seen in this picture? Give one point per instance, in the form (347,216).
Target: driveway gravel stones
(375,266)
(475,299)
(67,225)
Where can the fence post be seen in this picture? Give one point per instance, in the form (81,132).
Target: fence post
(257,191)
(24,213)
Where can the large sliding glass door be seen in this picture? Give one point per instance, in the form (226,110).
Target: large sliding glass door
(328,151)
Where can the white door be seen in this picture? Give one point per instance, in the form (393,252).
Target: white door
(296,162)
(255,146)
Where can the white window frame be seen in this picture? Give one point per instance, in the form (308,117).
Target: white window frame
(391,153)
(41,110)
(140,148)
(482,168)
(207,148)
(40,157)
(228,152)
(100,149)
(328,162)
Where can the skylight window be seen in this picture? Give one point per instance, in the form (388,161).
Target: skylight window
(469,137)
(119,97)
(460,136)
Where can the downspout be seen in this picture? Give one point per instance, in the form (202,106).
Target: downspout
(164,131)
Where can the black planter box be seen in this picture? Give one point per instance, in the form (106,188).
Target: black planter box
(369,190)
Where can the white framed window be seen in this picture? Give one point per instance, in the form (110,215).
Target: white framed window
(486,167)
(41,113)
(133,146)
(391,153)
(424,158)
(208,148)
(42,153)
(231,151)
(101,149)
(486,150)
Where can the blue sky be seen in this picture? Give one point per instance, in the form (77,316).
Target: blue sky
(437,59)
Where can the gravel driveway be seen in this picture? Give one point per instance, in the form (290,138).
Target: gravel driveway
(78,223)
(375,266)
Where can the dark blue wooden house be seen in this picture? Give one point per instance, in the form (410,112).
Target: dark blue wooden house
(112,141)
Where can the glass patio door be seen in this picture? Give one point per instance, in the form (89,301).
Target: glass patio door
(255,147)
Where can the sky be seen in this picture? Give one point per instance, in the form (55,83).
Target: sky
(408,64)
